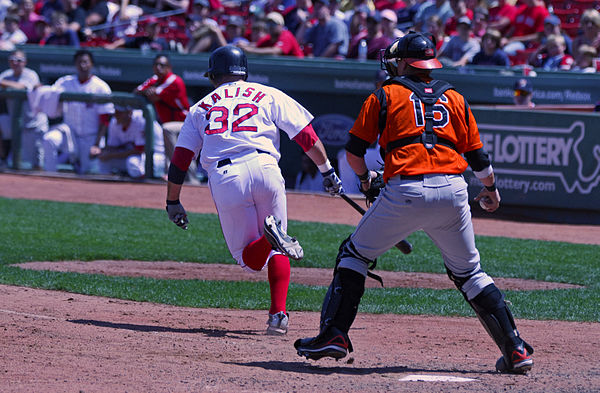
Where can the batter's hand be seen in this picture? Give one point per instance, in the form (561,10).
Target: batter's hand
(488,200)
(332,182)
(177,214)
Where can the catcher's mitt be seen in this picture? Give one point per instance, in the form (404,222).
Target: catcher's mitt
(375,188)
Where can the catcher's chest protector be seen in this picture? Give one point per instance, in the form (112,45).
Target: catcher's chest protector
(428,94)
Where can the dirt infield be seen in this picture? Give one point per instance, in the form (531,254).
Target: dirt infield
(54,341)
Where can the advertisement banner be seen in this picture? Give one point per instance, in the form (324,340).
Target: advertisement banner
(542,159)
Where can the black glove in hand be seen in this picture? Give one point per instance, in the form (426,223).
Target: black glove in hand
(375,185)
(177,214)
(332,182)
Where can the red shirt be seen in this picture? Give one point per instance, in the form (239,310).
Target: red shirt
(529,20)
(505,11)
(173,104)
(287,43)
(450,28)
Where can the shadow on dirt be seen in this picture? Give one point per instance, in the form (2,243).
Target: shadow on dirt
(151,328)
(303,367)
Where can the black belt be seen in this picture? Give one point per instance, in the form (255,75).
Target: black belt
(227,161)
(410,177)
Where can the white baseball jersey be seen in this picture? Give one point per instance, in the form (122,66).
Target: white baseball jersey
(83,117)
(135,133)
(241,116)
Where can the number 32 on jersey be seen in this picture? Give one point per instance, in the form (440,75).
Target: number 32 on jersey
(218,117)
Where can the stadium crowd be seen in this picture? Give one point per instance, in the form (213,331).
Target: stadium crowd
(553,35)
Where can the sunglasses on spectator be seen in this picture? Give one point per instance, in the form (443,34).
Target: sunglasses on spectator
(17,59)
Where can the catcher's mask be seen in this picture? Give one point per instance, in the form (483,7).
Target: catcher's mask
(227,60)
(416,49)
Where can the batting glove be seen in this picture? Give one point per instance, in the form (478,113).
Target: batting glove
(332,182)
(177,213)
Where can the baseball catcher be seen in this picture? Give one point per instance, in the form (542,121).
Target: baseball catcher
(425,127)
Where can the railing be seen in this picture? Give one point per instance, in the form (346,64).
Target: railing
(119,98)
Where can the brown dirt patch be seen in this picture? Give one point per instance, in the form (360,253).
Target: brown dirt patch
(54,341)
(305,276)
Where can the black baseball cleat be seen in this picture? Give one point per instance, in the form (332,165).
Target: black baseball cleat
(280,240)
(331,343)
(520,361)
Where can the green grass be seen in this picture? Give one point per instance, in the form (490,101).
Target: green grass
(55,231)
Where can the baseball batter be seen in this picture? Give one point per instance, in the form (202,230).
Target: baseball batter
(235,130)
(425,128)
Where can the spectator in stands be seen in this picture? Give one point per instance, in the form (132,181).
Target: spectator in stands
(357,22)
(50,7)
(84,123)
(551,56)
(125,144)
(389,23)
(329,36)
(27,20)
(34,125)
(279,41)
(167,92)
(435,28)
(149,41)
(96,11)
(491,53)
(527,25)
(202,29)
(298,14)
(552,27)
(501,15)
(584,62)
(590,27)
(407,14)
(234,30)
(374,38)
(258,31)
(523,93)
(460,10)
(335,11)
(60,33)
(75,17)
(441,8)
(461,48)
(12,34)
(480,21)
(42,31)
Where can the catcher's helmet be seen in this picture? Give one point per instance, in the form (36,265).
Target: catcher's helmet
(227,60)
(416,49)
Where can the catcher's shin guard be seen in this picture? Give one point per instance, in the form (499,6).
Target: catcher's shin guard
(342,299)
(496,318)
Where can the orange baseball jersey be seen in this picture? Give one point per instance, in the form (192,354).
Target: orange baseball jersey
(453,121)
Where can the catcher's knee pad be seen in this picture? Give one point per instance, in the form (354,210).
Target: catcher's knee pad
(349,258)
(342,299)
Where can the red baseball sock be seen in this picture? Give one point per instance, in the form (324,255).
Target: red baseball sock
(256,253)
(279,281)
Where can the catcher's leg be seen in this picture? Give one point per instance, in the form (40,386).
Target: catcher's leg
(497,319)
(338,313)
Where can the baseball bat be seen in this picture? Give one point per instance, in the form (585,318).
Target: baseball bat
(403,245)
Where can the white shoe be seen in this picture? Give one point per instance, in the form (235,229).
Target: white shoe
(280,240)
(278,324)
